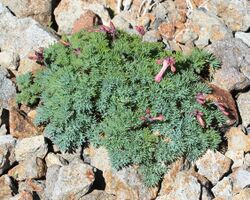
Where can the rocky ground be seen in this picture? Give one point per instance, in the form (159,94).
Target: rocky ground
(32,168)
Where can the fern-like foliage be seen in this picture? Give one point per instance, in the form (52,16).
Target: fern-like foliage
(100,90)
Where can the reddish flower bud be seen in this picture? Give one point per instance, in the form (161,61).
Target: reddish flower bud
(159,118)
(109,30)
(222,108)
(66,44)
(140,30)
(200,98)
(198,115)
(38,56)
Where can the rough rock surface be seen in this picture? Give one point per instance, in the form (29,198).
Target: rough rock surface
(213,165)
(98,195)
(55,159)
(235,13)
(68,11)
(243,195)
(208,27)
(51,177)
(28,36)
(7,88)
(34,187)
(9,60)
(124,184)
(245,37)
(7,187)
(7,157)
(31,147)
(74,181)
(40,10)
(223,189)
(28,169)
(185,187)
(243,102)
(235,57)
(20,125)
(241,179)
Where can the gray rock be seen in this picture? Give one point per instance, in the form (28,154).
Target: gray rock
(74,181)
(152,36)
(3,130)
(51,178)
(7,88)
(241,179)
(98,195)
(68,11)
(32,168)
(243,102)
(7,157)
(206,194)
(245,37)
(31,147)
(40,10)
(28,36)
(7,187)
(213,165)
(235,13)
(33,186)
(123,22)
(9,60)
(186,187)
(55,159)
(235,57)
(246,162)
(211,27)
(223,189)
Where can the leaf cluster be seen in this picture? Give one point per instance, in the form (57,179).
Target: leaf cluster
(97,90)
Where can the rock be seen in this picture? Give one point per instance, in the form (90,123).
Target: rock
(236,156)
(28,169)
(39,10)
(55,159)
(243,195)
(21,126)
(9,60)
(152,36)
(24,195)
(51,177)
(3,130)
(235,13)
(125,183)
(36,187)
(170,177)
(27,65)
(7,88)
(243,102)
(31,147)
(223,189)
(68,11)
(86,21)
(234,55)
(125,22)
(98,195)
(241,179)
(246,162)
(70,156)
(167,30)
(237,140)
(213,165)
(74,181)
(7,187)
(245,37)
(7,156)
(205,194)
(185,187)
(186,35)
(208,27)
(28,36)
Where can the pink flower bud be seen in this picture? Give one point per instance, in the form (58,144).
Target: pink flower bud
(198,115)
(200,98)
(159,118)
(140,30)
